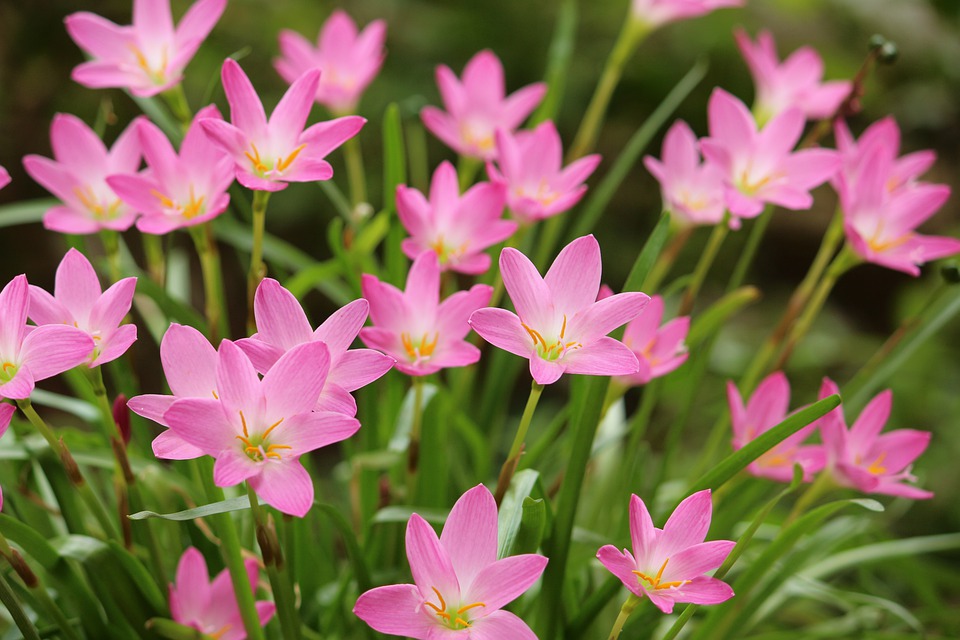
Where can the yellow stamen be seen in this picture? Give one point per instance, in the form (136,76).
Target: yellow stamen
(215,396)
(408,345)
(461,610)
(443,603)
(216,635)
(876,467)
(460,620)
(271,428)
(283,164)
(258,166)
(655,581)
(563,329)
(426,348)
(243,421)
(7,366)
(164,200)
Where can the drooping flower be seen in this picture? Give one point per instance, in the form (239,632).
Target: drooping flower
(79,302)
(692,192)
(422,333)
(146,57)
(529,165)
(461,587)
(456,228)
(767,408)
(78,176)
(6,412)
(795,83)
(655,13)
(348,61)
(864,459)
(667,565)
(659,350)
(258,429)
(211,607)
(760,166)
(29,356)
(282,325)
(179,190)
(476,107)
(559,325)
(269,154)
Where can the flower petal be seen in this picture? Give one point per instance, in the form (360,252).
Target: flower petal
(395,609)
(687,525)
(280,318)
(429,562)
(574,277)
(285,486)
(470,534)
(503,581)
(52,349)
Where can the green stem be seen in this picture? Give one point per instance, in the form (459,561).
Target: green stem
(156,259)
(273,559)
(666,259)
(823,484)
(111,247)
(628,607)
(467,168)
(513,458)
(757,231)
(20,618)
(213,296)
(703,266)
(413,450)
(257,268)
(356,177)
(177,101)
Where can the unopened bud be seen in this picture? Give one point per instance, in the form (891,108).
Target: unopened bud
(23,570)
(876,42)
(121,417)
(265,540)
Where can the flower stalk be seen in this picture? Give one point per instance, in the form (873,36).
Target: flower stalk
(703,267)
(356,176)
(516,449)
(213,295)
(416,425)
(280,578)
(628,607)
(257,268)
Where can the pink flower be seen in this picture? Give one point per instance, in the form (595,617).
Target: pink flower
(476,108)
(211,607)
(348,61)
(258,429)
(655,13)
(282,325)
(461,587)
(178,190)
(760,166)
(6,412)
(659,350)
(4,177)
(79,302)
(30,354)
(559,325)
(667,565)
(146,57)
(795,83)
(766,409)
(78,176)
(269,154)
(457,229)
(530,167)
(863,459)
(422,333)
(692,192)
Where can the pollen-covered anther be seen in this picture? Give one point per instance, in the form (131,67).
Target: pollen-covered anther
(655,581)
(258,165)
(422,349)
(284,163)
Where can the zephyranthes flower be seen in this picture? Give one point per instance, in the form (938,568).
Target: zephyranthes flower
(655,13)
(659,349)
(4,177)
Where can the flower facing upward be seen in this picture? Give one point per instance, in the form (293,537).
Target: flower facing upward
(559,325)
(659,350)
(655,13)
(456,228)
(6,412)
(461,587)
(667,565)
(476,108)
(269,154)
(146,57)
(348,61)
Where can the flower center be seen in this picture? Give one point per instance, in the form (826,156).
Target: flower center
(256,446)
(7,371)
(264,168)
(158,75)
(876,467)
(419,350)
(478,136)
(654,582)
(749,185)
(453,617)
(446,253)
(216,635)
(191,210)
(556,349)
(542,193)
(96,205)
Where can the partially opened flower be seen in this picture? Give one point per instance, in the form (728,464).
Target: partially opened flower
(78,176)
(79,302)
(559,325)
(477,107)
(422,333)
(6,412)
(864,459)
(211,607)
(348,61)
(457,228)
(668,565)
(659,349)
(269,154)
(146,57)
(655,13)
(461,587)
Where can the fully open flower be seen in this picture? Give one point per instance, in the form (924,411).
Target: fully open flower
(269,154)
(862,458)
(655,13)
(667,565)
(79,302)
(461,587)
(78,176)
(146,57)
(659,350)
(6,412)
(559,325)
(456,228)
(211,607)
(348,61)
(476,108)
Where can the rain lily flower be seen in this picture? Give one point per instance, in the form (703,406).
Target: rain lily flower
(146,57)
(422,333)
(659,350)
(667,565)
(258,429)
(766,409)
(4,177)
(760,166)
(6,412)
(348,61)
(78,176)
(530,167)
(476,107)
(179,190)
(795,83)
(211,607)
(692,192)
(282,325)
(655,13)
(559,325)
(861,458)
(461,587)
(79,302)
(456,228)
(29,356)
(269,154)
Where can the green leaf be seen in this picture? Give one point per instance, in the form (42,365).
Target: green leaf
(223,506)
(79,408)
(371,235)
(711,320)
(401,435)
(648,255)
(360,570)
(558,61)
(394,156)
(402,514)
(880,552)
(318,276)
(510,516)
(26,212)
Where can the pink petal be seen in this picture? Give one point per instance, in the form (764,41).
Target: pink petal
(455,354)
(234,141)
(696,560)
(151,406)
(454,312)
(574,277)
(503,581)
(703,590)
(246,109)
(199,20)
(622,565)
(687,525)
(280,318)
(262,354)
(499,625)
(769,402)
(502,329)
(531,296)
(600,318)
(66,220)
(238,383)
(116,345)
(294,382)
(324,137)
(483,78)
(730,123)
(290,115)
(76,146)
(190,597)
(901,447)
(98,36)
(544,371)
(868,425)
(285,486)
(189,362)
(14,301)
(341,328)
(20,386)
(358,368)
(388,306)
(201,423)
(45,309)
(52,349)
(170,446)
(521,103)
(77,285)
(233,466)
(335,398)
(309,431)
(105,75)
(423,284)
(396,609)
(429,562)
(604,357)
(109,310)
(470,535)
(643,535)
